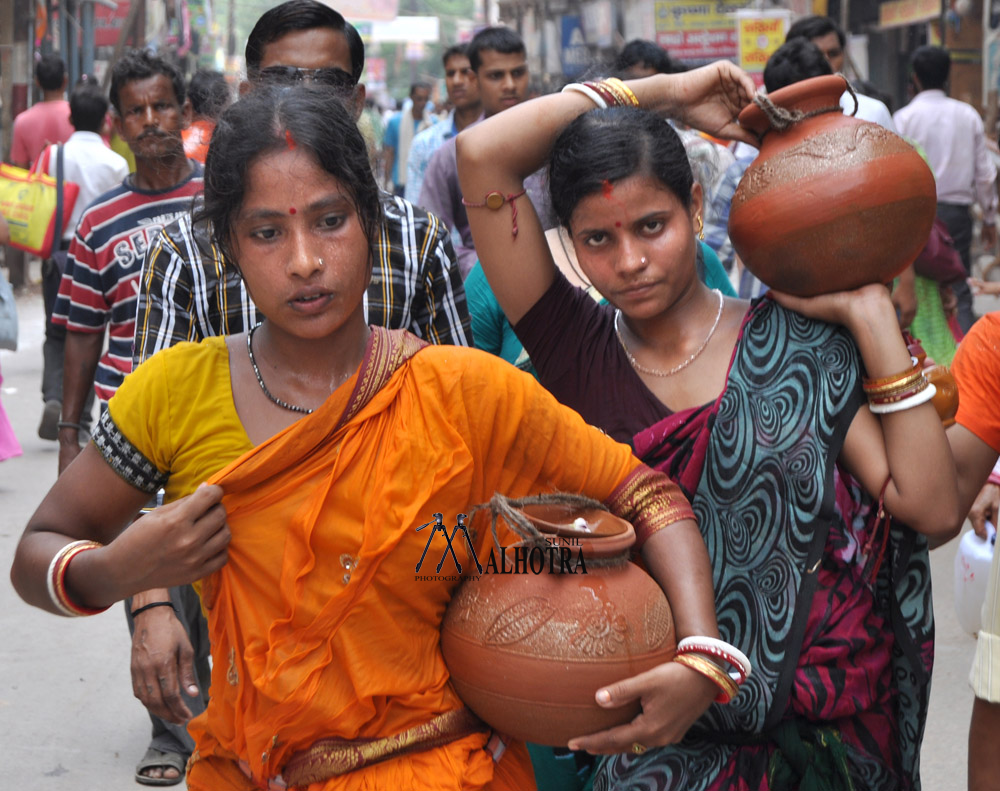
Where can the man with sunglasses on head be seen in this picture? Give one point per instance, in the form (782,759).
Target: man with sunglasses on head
(189,292)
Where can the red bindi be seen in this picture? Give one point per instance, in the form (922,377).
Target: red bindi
(291,210)
(618,225)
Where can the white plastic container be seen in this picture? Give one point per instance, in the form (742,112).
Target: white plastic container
(972,574)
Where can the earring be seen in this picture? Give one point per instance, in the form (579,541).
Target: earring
(321,264)
(701,229)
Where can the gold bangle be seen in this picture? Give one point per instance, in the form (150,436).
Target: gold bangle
(890,380)
(899,384)
(727,687)
(623,91)
(898,395)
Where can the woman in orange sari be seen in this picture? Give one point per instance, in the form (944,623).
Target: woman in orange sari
(325,443)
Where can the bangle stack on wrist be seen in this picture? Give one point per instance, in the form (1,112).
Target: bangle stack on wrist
(56,579)
(901,391)
(611,92)
(701,655)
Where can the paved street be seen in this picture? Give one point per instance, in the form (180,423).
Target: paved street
(68,721)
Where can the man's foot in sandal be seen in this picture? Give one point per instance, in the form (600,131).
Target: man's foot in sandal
(158,768)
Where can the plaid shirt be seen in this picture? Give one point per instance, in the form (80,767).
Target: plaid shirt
(188,292)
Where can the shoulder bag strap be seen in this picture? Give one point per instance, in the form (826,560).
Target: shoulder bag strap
(57,234)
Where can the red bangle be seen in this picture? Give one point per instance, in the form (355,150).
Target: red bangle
(56,579)
(737,673)
(994,478)
(901,395)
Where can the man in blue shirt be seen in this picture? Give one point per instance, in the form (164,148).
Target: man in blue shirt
(399,134)
(463,95)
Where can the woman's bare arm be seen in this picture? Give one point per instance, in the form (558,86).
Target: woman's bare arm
(499,153)
(173,545)
(909,447)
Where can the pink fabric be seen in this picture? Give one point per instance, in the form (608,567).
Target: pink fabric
(38,126)
(9,446)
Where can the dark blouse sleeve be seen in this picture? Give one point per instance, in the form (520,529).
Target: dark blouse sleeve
(572,344)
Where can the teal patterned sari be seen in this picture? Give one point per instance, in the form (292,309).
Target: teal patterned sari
(832,608)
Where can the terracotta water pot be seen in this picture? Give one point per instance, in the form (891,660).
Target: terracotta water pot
(528,651)
(945,400)
(832,202)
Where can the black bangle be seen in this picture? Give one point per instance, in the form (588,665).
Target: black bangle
(67,424)
(145,607)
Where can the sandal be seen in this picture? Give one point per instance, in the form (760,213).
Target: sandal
(157,759)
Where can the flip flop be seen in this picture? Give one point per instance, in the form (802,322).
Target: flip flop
(160,760)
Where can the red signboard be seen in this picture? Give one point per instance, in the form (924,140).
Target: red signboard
(108,24)
(699,44)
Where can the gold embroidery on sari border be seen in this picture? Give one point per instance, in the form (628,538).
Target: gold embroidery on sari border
(388,351)
(650,501)
(332,757)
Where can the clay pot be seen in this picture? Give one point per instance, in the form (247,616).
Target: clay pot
(945,400)
(832,202)
(527,652)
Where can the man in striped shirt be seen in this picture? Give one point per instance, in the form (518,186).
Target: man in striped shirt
(100,287)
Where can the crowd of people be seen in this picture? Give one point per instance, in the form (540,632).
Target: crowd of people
(287,392)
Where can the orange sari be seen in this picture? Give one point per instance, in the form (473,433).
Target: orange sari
(320,628)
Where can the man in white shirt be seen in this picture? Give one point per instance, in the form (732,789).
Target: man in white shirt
(95,168)
(951,134)
(829,38)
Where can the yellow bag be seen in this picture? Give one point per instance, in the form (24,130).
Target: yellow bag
(29,201)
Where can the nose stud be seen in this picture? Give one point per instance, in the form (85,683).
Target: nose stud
(642,260)
(321,264)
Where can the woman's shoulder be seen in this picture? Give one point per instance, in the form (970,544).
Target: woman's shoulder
(768,316)
(185,367)
(189,355)
(474,370)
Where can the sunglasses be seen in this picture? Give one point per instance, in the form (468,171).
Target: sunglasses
(290,75)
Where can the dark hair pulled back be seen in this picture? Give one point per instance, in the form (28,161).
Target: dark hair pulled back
(607,146)
(310,117)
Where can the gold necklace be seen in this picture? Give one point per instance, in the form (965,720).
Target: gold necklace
(680,366)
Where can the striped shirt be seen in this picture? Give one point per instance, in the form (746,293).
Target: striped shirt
(100,286)
(188,292)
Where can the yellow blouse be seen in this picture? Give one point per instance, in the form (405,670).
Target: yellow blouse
(178,395)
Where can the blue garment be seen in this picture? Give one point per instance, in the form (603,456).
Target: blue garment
(421,150)
(391,140)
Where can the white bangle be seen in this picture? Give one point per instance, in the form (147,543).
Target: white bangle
(722,645)
(50,578)
(916,399)
(586,90)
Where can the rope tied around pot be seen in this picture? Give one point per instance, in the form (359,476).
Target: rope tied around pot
(781,118)
(509,509)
